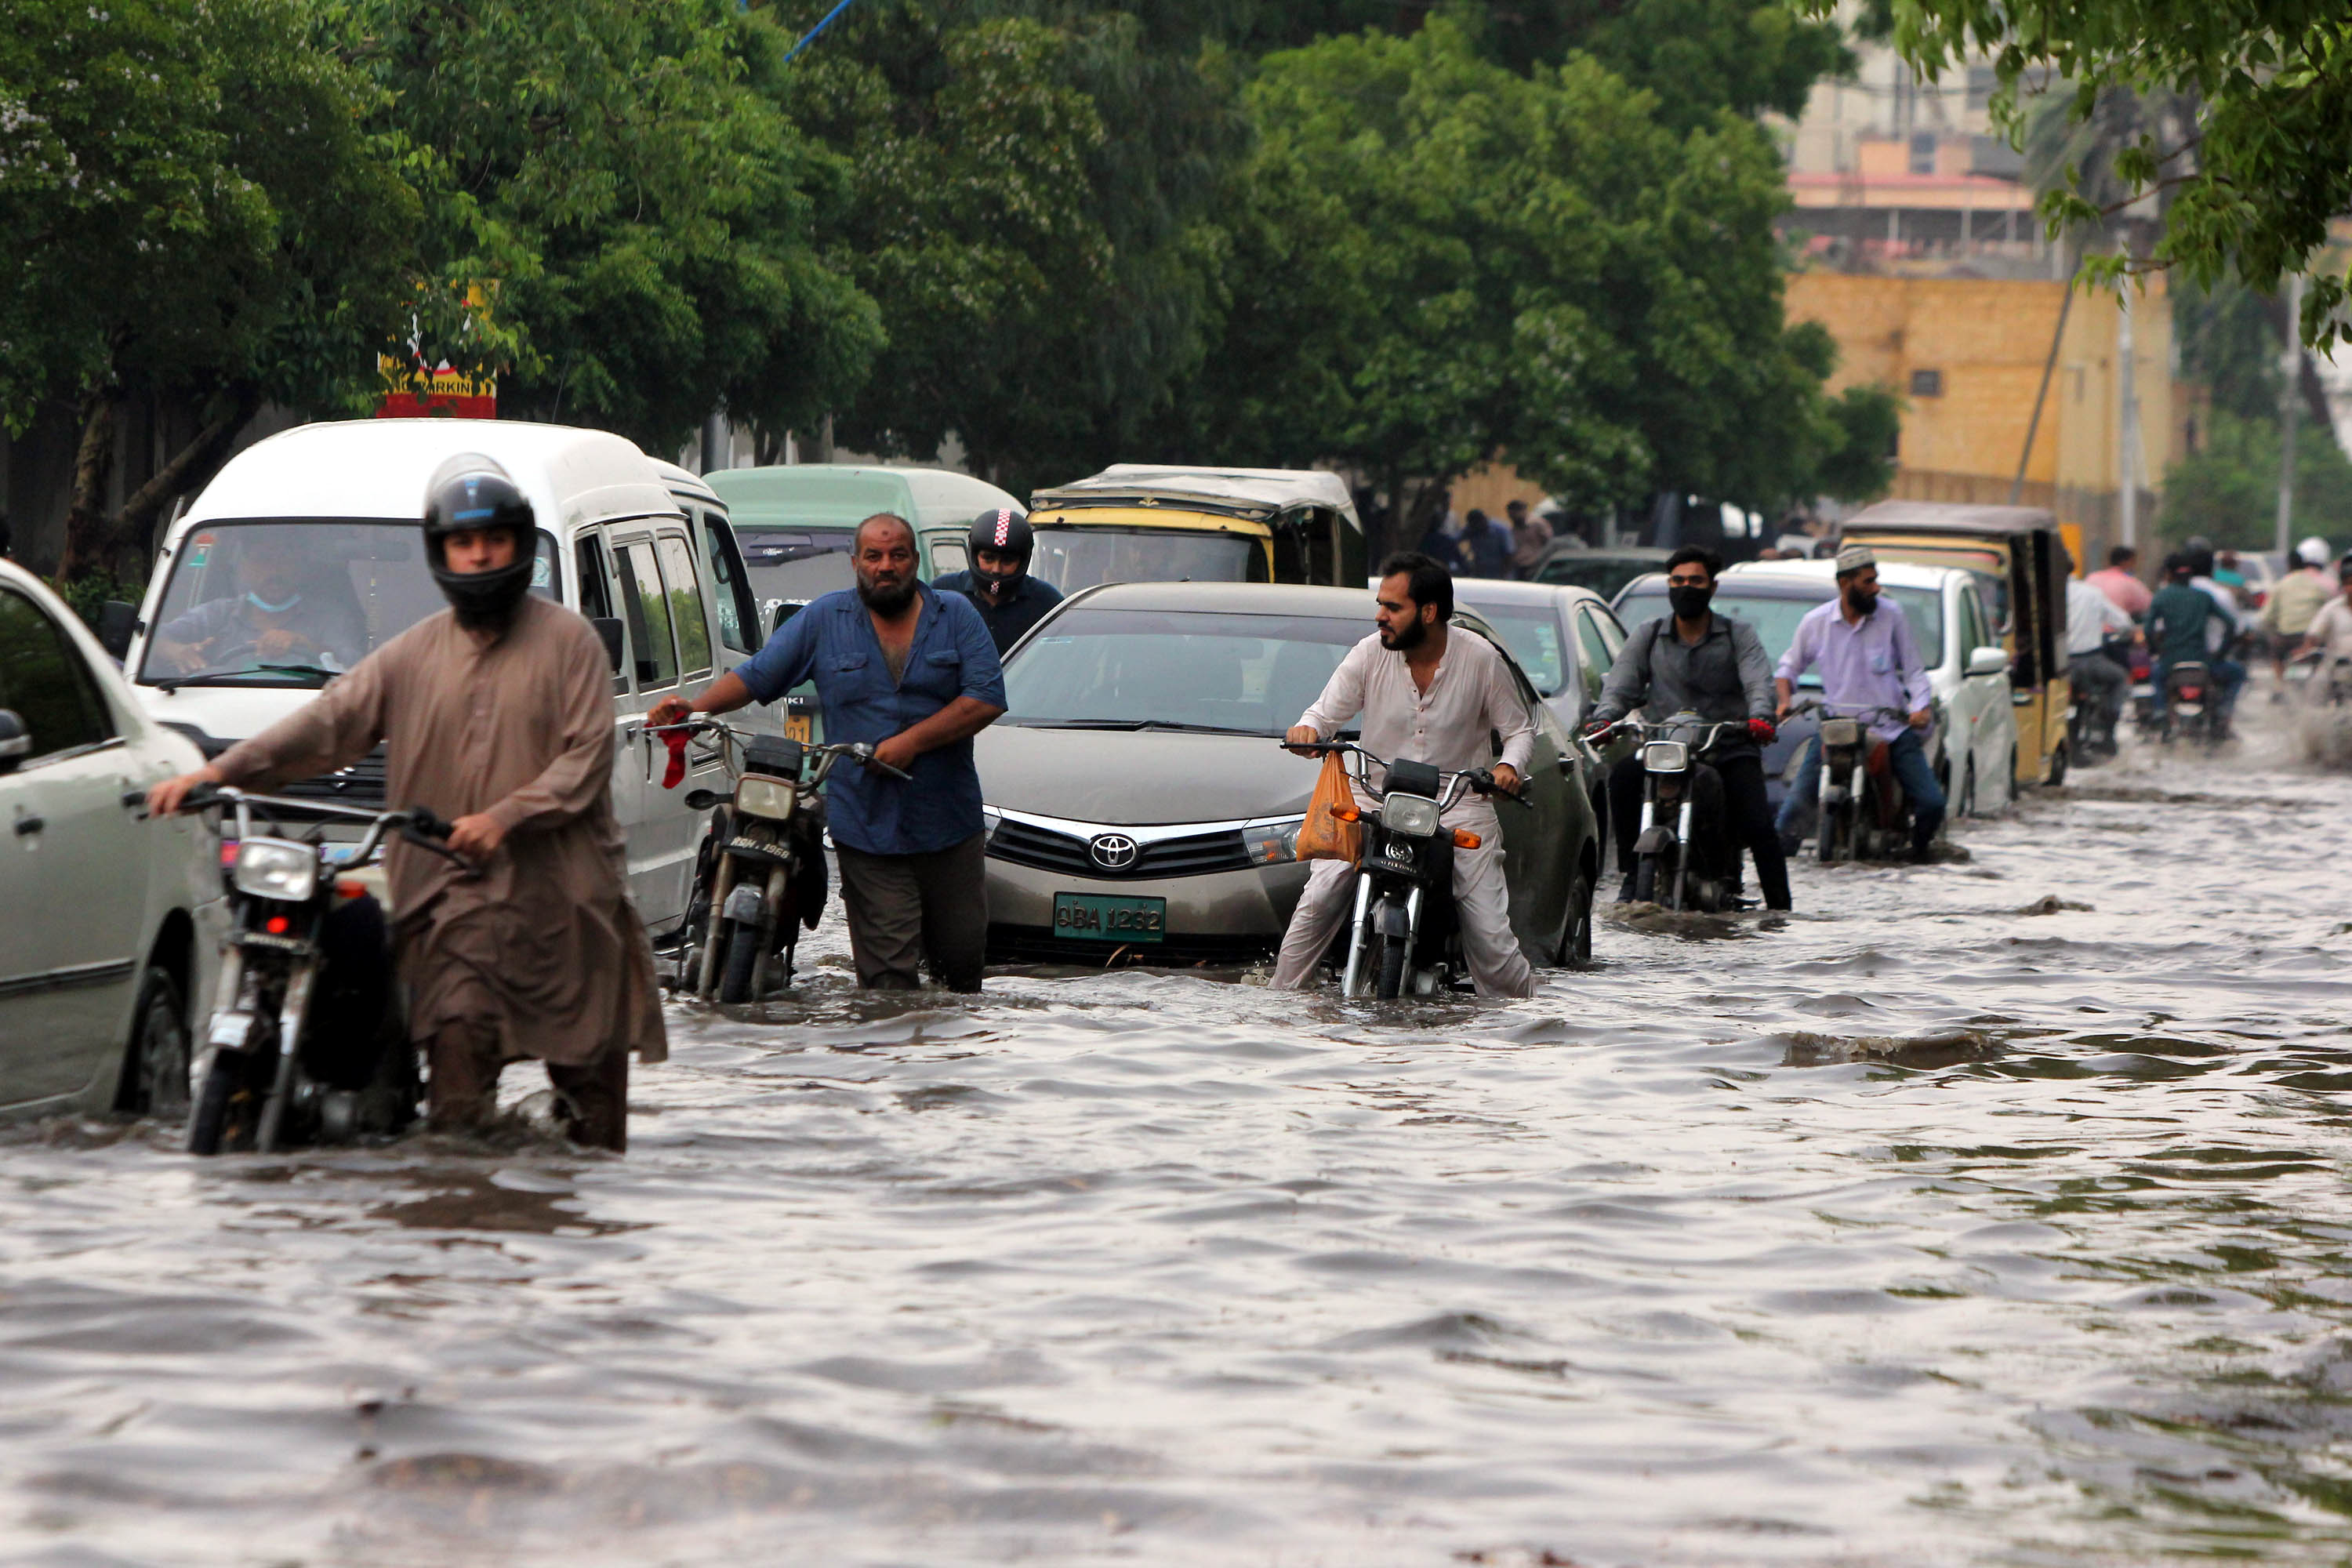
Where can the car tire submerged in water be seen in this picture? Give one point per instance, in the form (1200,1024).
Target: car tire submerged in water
(1967,806)
(155,1070)
(1576,931)
(741,956)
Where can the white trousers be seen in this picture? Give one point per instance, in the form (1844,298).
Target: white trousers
(1481,903)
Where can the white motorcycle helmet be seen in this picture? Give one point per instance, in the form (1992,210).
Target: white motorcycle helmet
(2313,552)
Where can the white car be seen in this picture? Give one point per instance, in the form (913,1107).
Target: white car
(1967,667)
(109,922)
(1564,638)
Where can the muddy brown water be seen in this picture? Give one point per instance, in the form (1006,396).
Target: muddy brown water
(1990,1212)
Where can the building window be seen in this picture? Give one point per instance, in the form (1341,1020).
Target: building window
(1927,383)
(1923,152)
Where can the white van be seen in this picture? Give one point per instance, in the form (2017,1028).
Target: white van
(330,512)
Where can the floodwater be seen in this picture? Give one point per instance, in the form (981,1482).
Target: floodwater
(1988,1213)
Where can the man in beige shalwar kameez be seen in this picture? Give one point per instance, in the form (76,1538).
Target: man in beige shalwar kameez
(497,715)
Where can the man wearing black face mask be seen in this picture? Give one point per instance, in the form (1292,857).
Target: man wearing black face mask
(1694,660)
(999,584)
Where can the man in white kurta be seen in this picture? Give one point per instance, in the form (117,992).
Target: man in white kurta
(1428,694)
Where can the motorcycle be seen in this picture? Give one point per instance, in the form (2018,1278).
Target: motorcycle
(2321,682)
(2191,704)
(1663,863)
(307,1041)
(1405,935)
(1865,815)
(760,877)
(2090,734)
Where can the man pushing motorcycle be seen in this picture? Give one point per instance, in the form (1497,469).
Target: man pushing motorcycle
(1429,696)
(1868,659)
(497,714)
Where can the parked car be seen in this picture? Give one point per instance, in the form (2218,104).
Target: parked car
(330,512)
(110,921)
(1564,638)
(1138,522)
(1137,768)
(1965,667)
(1603,572)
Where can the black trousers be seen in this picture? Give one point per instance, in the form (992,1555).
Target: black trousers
(904,910)
(1728,795)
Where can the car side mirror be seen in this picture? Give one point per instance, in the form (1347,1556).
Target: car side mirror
(1989,661)
(118,623)
(15,741)
(608,627)
(785,610)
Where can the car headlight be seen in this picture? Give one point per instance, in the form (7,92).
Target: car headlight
(276,868)
(756,795)
(1413,816)
(1665,756)
(1273,843)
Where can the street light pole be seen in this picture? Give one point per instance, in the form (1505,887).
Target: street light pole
(2290,403)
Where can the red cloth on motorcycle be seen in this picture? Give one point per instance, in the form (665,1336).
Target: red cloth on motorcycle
(674,772)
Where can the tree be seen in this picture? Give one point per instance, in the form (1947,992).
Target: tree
(192,211)
(2269,163)
(1436,261)
(653,224)
(2228,488)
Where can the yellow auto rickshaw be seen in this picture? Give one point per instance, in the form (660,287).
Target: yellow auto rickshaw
(1150,522)
(2019,558)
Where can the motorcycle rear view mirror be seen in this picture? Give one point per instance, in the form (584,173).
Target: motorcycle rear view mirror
(15,741)
(608,627)
(700,799)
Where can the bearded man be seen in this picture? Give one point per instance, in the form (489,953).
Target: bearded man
(496,714)
(913,672)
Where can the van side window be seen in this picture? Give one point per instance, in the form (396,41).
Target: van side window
(44,680)
(948,556)
(739,614)
(686,605)
(595,587)
(646,607)
(546,578)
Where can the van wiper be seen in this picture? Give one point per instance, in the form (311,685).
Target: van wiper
(1136,724)
(224,676)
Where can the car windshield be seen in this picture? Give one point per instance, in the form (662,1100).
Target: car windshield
(795,565)
(1775,616)
(1071,558)
(1532,634)
(291,602)
(1603,574)
(1244,674)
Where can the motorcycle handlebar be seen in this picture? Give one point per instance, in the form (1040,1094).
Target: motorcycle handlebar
(1481,780)
(861,751)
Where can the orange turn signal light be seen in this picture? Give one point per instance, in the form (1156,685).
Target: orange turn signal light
(349,888)
(1346,813)
(1463,839)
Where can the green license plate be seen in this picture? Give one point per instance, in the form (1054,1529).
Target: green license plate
(1092,917)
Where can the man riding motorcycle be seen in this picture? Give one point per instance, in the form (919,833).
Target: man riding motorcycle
(2299,596)
(1694,660)
(2331,628)
(2091,617)
(1868,659)
(2188,624)
(998,584)
(1425,695)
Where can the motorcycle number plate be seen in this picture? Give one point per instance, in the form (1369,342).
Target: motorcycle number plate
(1102,917)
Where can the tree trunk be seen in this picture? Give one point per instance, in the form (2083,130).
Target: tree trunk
(192,465)
(90,534)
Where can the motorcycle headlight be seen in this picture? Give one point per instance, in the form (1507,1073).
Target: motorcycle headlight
(276,868)
(759,795)
(1413,816)
(1665,756)
(1274,843)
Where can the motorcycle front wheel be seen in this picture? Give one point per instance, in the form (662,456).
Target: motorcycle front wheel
(1645,879)
(1391,983)
(738,958)
(1827,834)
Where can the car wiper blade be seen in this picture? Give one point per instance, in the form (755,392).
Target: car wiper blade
(225,676)
(1200,729)
(1124,724)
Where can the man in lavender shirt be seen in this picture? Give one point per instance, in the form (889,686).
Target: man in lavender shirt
(1868,658)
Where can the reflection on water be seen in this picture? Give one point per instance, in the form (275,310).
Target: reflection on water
(1982,1212)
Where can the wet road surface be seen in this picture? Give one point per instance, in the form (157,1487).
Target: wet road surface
(1984,1212)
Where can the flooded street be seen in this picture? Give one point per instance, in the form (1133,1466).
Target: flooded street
(1990,1212)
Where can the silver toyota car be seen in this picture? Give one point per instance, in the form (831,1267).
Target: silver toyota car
(1139,810)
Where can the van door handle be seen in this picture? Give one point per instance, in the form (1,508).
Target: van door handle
(28,826)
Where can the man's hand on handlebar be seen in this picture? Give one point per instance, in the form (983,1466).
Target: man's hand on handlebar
(1506,778)
(898,751)
(164,799)
(477,837)
(1302,735)
(1762,731)
(671,710)
(1919,718)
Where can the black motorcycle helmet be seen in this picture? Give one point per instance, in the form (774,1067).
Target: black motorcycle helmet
(2200,551)
(469,493)
(1004,531)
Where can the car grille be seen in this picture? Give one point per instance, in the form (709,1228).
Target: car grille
(1038,944)
(360,785)
(1194,855)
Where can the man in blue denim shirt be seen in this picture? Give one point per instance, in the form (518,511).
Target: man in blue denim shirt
(915,673)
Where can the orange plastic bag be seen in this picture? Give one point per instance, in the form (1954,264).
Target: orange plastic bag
(1323,836)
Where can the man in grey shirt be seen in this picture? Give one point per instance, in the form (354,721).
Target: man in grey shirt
(1694,660)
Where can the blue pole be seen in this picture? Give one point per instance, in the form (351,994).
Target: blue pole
(820,27)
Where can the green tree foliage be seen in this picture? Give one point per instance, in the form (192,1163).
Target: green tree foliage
(1434,260)
(621,171)
(1033,186)
(2269,163)
(192,211)
(2228,489)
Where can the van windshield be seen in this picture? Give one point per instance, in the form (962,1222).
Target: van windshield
(793,565)
(1071,557)
(290,602)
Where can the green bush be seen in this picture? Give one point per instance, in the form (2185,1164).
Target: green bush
(86,594)
(2228,489)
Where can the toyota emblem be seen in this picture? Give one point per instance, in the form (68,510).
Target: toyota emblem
(1112,851)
